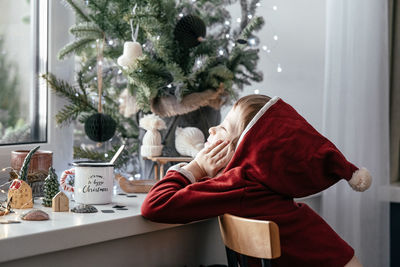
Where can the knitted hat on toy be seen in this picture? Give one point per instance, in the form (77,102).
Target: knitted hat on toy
(151,143)
(286,154)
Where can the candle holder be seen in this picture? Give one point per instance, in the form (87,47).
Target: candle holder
(38,169)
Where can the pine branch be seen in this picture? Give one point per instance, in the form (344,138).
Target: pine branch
(75,46)
(68,114)
(79,13)
(245,14)
(86,153)
(79,101)
(86,30)
(253,6)
(254,25)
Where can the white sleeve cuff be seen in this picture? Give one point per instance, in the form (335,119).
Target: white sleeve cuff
(186,173)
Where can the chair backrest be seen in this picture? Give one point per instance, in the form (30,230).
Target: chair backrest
(255,238)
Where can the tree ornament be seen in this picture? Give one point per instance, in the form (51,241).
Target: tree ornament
(151,144)
(100,127)
(132,50)
(190,31)
(51,188)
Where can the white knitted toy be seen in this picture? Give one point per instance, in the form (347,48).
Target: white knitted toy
(151,143)
(189,141)
(132,50)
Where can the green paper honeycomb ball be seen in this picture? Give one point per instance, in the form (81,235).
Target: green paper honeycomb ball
(100,127)
(188,29)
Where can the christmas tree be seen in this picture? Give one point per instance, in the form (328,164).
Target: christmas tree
(173,57)
(51,188)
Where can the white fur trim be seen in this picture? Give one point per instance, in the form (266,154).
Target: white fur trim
(361,180)
(257,117)
(186,173)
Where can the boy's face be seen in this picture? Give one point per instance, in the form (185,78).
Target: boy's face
(227,130)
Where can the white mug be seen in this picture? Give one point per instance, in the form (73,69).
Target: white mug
(93,182)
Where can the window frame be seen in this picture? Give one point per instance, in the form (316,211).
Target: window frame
(59,139)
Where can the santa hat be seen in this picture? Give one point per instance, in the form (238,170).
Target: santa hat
(280,149)
(360,180)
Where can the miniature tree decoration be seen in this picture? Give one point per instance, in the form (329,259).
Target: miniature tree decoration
(51,188)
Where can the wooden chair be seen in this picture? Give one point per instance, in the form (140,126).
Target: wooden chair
(247,237)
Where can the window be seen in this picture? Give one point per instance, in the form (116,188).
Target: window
(23,56)
(395,92)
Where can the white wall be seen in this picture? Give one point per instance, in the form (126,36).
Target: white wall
(300,27)
(300,50)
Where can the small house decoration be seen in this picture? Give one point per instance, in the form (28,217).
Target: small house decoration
(151,144)
(60,202)
(51,188)
(20,195)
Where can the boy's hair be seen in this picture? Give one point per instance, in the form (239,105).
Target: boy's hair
(248,106)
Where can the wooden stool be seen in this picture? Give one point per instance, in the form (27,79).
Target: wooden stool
(248,237)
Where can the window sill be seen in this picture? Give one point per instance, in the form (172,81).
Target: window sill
(66,230)
(390,193)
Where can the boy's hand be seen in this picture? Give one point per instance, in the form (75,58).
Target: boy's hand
(213,158)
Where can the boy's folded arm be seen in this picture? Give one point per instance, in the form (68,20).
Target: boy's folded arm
(175,199)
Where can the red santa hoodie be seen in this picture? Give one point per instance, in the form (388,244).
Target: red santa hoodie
(279,156)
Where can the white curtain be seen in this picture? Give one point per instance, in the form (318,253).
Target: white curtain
(356,119)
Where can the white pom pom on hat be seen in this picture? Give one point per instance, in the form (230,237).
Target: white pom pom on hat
(361,180)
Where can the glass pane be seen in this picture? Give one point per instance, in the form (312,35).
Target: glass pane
(22,100)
